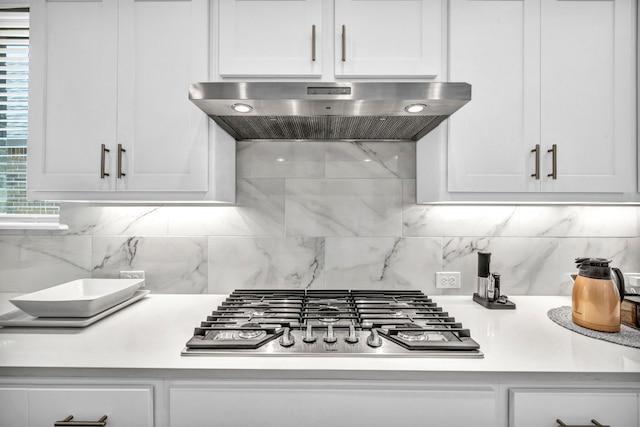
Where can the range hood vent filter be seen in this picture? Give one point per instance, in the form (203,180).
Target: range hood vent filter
(400,128)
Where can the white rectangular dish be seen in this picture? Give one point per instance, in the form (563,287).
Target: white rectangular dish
(19,318)
(79,298)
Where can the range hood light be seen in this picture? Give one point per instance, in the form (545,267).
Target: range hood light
(415,108)
(242,108)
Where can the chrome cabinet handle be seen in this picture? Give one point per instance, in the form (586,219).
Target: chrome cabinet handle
(313,42)
(68,422)
(344,43)
(103,151)
(554,161)
(120,151)
(593,423)
(536,150)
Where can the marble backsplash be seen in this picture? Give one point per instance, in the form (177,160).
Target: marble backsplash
(321,215)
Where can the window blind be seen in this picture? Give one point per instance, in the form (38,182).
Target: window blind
(14,89)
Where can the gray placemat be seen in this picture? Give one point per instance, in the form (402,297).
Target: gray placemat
(627,336)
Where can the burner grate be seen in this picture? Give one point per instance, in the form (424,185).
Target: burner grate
(331,322)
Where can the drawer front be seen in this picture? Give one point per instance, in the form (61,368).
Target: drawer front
(542,407)
(14,406)
(321,405)
(124,407)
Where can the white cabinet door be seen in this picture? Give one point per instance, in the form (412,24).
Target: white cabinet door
(588,94)
(490,138)
(162,49)
(14,407)
(388,38)
(318,404)
(544,73)
(72,95)
(381,38)
(540,407)
(124,407)
(116,73)
(270,38)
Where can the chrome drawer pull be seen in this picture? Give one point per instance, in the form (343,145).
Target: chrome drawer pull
(536,150)
(120,151)
(103,150)
(344,43)
(593,423)
(554,162)
(68,422)
(313,42)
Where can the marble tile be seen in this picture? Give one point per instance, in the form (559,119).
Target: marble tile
(259,212)
(533,266)
(171,264)
(343,207)
(382,262)
(31,263)
(371,160)
(265,263)
(280,159)
(459,221)
(100,220)
(455,220)
(578,221)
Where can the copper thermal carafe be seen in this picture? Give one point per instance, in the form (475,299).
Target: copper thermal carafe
(596,297)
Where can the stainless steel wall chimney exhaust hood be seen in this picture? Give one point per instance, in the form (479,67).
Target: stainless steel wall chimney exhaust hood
(353,111)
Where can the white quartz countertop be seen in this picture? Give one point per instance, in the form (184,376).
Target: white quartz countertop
(149,335)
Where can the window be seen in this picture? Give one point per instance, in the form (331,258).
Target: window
(14,81)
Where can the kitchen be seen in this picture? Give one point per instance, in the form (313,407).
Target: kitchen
(327,215)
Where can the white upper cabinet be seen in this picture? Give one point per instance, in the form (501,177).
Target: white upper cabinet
(490,138)
(304,38)
(388,38)
(72,94)
(553,104)
(587,94)
(381,38)
(110,116)
(275,38)
(162,49)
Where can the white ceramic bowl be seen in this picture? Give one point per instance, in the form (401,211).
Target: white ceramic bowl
(79,298)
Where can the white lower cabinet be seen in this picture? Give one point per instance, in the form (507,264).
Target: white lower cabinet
(543,407)
(331,403)
(14,407)
(43,406)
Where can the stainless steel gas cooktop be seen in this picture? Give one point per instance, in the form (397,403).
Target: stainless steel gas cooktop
(331,323)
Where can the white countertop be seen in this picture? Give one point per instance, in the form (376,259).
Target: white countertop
(149,335)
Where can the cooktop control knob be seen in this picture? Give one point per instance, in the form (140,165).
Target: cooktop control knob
(330,338)
(352,338)
(374,340)
(308,336)
(286,340)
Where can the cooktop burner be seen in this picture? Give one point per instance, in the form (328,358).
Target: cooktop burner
(331,323)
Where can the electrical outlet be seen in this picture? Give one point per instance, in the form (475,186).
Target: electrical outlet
(137,274)
(447,279)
